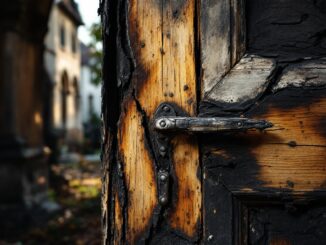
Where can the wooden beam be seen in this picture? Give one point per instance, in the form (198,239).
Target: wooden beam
(246,82)
(156,63)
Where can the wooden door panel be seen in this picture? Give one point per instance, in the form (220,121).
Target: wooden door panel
(279,225)
(284,165)
(290,155)
(149,59)
(265,187)
(256,187)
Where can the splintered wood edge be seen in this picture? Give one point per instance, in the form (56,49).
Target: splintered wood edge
(163,45)
(220,51)
(246,81)
(310,73)
(215,41)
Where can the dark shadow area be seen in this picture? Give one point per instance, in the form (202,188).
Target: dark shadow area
(49,125)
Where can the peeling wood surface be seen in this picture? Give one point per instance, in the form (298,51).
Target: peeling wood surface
(138,172)
(222,39)
(291,156)
(298,116)
(311,73)
(298,139)
(246,82)
(186,213)
(215,41)
(156,54)
(277,177)
(249,179)
(238,30)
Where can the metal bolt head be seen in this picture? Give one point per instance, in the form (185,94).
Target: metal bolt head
(166,108)
(210,238)
(162,149)
(163,177)
(163,123)
(163,200)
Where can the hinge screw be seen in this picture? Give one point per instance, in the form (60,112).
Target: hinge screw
(163,177)
(210,238)
(163,200)
(162,149)
(166,108)
(163,123)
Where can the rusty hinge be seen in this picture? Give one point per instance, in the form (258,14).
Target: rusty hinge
(169,119)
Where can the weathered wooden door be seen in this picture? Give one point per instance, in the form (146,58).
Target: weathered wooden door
(169,60)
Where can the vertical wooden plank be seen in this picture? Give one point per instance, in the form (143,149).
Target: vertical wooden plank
(179,84)
(218,226)
(145,31)
(138,173)
(238,30)
(160,35)
(215,41)
(118,221)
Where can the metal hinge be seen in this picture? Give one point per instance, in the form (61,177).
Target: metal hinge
(169,119)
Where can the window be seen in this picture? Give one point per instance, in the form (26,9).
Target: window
(62,36)
(73,42)
(90,105)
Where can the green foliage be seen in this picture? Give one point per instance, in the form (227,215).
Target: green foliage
(96,53)
(95,119)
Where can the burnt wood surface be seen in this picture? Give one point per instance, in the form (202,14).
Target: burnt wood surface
(149,58)
(253,59)
(287,30)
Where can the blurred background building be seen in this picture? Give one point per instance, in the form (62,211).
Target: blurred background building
(49,110)
(63,64)
(23,152)
(73,100)
(90,93)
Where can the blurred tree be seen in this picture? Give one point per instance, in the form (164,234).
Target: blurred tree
(96,52)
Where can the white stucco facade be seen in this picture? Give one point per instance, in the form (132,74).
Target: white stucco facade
(63,64)
(90,93)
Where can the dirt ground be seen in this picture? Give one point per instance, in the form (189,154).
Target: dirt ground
(76,188)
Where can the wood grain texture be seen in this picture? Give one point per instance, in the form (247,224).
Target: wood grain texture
(310,73)
(179,73)
(289,157)
(138,171)
(246,82)
(222,38)
(162,42)
(118,221)
(297,141)
(215,41)
(238,30)
(186,213)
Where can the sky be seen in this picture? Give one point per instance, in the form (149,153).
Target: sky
(88,10)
